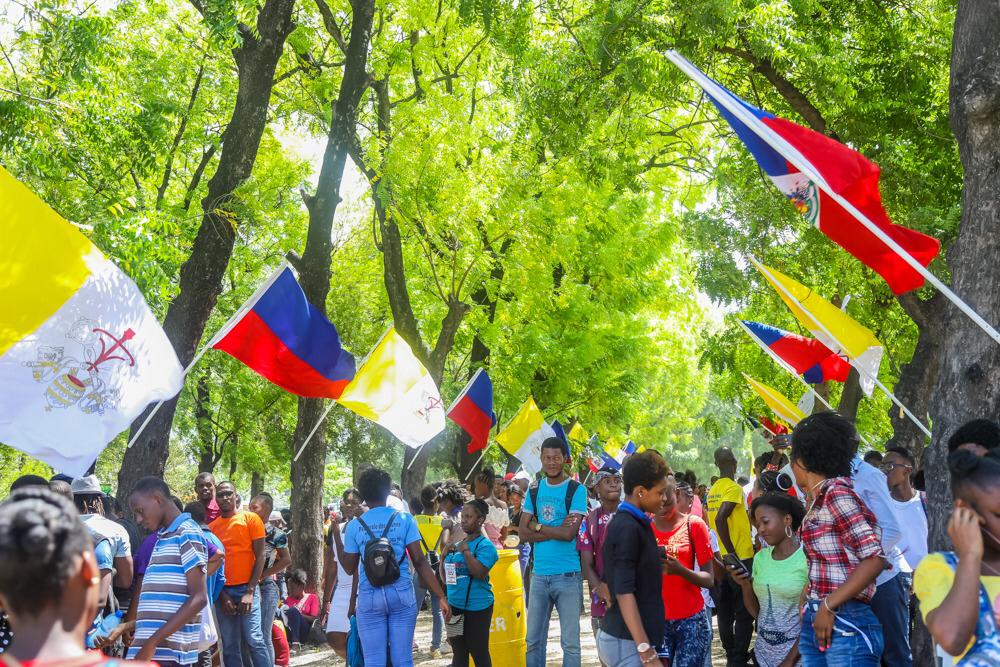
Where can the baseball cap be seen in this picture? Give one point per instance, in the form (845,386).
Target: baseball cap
(88,485)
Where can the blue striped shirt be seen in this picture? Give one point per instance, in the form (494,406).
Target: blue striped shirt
(179,548)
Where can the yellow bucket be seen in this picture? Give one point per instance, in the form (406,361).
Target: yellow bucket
(509,628)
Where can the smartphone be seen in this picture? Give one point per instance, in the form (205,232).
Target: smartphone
(734,563)
(663,550)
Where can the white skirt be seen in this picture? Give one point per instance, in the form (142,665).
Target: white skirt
(340,603)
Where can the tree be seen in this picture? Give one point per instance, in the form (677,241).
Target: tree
(201,276)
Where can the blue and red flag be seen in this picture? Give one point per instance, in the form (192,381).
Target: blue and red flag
(287,340)
(629,448)
(845,171)
(473,410)
(808,357)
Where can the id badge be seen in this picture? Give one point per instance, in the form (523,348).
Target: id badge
(450,574)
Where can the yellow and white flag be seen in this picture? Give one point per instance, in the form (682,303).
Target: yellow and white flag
(81,354)
(393,389)
(777,401)
(830,325)
(524,435)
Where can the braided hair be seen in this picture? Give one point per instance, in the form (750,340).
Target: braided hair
(40,533)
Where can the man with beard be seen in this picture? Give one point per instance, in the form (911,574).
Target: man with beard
(550,521)
(590,542)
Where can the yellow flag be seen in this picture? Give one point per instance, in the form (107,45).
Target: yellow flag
(839,331)
(524,435)
(775,400)
(579,434)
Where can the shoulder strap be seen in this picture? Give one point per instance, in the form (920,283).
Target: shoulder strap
(365,526)
(533,493)
(388,524)
(570,492)
(694,556)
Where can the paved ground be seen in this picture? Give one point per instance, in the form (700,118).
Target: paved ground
(326,658)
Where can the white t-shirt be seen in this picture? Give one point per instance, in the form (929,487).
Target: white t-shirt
(913,539)
(115,532)
(396,504)
(709,602)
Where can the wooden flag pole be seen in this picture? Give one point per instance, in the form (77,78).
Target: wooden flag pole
(790,153)
(313,431)
(860,369)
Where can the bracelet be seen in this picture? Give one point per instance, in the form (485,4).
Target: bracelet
(828,607)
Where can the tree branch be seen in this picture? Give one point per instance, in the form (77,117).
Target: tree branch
(165,181)
(330,23)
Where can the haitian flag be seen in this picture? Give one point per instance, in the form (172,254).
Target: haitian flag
(595,458)
(776,143)
(284,338)
(473,410)
(807,356)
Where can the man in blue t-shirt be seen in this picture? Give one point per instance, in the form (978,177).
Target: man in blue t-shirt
(551,520)
(387,615)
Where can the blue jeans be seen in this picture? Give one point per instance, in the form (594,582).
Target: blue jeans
(437,618)
(268,607)
(891,605)
(386,618)
(686,641)
(708,621)
(238,628)
(564,593)
(615,652)
(856,641)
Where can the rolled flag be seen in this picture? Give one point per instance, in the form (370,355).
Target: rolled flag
(808,357)
(524,435)
(81,354)
(394,390)
(473,410)
(839,332)
(778,145)
(284,338)
(784,408)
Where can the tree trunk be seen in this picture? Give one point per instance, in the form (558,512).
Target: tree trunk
(850,397)
(968,383)
(201,275)
(306,543)
(256,484)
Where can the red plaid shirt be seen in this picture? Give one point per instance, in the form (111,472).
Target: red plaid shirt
(838,533)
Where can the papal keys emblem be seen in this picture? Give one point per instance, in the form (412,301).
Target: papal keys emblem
(84,383)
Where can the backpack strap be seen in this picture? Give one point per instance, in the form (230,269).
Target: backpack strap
(367,529)
(570,492)
(533,494)
(388,524)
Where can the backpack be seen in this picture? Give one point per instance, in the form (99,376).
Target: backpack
(381,566)
(570,492)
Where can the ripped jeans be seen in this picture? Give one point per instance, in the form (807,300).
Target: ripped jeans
(856,642)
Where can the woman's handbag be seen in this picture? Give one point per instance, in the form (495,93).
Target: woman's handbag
(355,655)
(208,635)
(455,626)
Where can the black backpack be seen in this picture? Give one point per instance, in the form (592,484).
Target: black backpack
(381,566)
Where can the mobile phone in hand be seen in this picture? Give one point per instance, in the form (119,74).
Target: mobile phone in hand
(734,563)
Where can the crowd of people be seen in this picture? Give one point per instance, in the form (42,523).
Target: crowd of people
(819,559)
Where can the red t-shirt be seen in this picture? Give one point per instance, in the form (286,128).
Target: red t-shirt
(681,598)
(91,659)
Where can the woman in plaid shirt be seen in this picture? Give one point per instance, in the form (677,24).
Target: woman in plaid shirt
(843,546)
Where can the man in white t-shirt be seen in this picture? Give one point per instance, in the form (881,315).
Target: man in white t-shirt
(908,504)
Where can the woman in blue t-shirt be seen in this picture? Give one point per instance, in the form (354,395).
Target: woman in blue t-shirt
(466,569)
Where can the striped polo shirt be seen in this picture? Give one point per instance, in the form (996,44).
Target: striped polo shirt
(179,548)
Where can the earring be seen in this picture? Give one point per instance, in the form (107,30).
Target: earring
(640,496)
(95,580)
(788,532)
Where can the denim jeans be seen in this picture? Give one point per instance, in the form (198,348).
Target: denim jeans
(891,605)
(708,621)
(615,652)
(856,641)
(563,592)
(686,641)
(735,622)
(238,628)
(437,618)
(386,618)
(268,607)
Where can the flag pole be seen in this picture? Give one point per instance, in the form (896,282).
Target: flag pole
(230,323)
(790,153)
(781,362)
(485,449)
(313,431)
(860,369)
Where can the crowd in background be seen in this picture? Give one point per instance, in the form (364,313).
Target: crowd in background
(818,559)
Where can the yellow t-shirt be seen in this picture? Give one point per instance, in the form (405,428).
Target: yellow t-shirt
(727,491)
(430,530)
(933,579)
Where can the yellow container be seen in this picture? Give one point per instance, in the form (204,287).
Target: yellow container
(509,629)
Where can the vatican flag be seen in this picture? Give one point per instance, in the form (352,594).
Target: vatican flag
(393,389)
(81,354)
(777,401)
(524,435)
